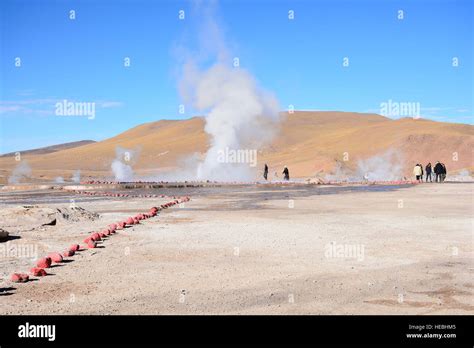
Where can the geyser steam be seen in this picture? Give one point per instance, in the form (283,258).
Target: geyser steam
(21,171)
(59,180)
(76,176)
(122,164)
(240,116)
(383,167)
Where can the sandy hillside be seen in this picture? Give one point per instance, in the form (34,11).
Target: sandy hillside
(308,142)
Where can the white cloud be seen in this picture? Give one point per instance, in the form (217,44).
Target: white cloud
(110,104)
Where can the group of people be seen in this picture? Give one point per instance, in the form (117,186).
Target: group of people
(439,171)
(286,173)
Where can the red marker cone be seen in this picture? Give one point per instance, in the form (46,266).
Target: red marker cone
(19,277)
(45,262)
(95,236)
(38,272)
(74,247)
(56,257)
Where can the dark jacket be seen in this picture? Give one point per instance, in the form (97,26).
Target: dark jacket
(438,169)
(443,168)
(428,169)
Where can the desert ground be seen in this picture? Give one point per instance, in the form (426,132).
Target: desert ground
(251,249)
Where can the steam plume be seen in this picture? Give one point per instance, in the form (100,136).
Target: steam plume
(76,177)
(386,166)
(21,171)
(239,114)
(59,180)
(122,164)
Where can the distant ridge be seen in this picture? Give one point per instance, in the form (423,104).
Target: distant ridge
(51,148)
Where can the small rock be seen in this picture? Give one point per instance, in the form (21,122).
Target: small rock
(3,234)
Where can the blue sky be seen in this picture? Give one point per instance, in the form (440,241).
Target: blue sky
(299,60)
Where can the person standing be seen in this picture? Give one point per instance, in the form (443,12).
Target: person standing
(428,172)
(443,172)
(286,174)
(265,172)
(438,169)
(421,168)
(417,172)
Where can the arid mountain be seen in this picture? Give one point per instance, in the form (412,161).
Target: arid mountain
(307,142)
